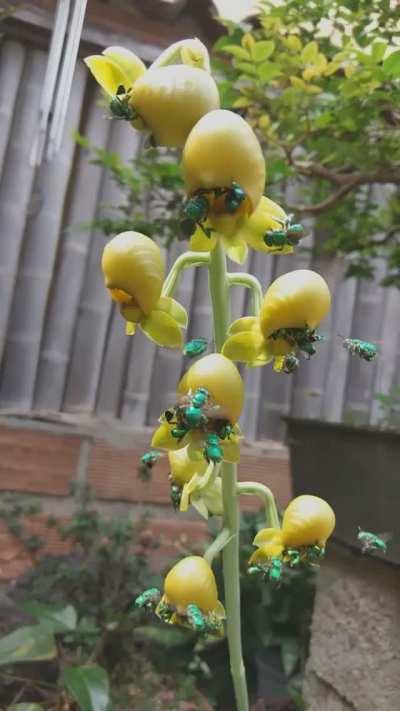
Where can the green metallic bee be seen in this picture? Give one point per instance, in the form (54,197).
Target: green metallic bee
(290,235)
(365,350)
(120,107)
(372,541)
(290,363)
(195,347)
(294,557)
(148,599)
(275,570)
(147,463)
(176,494)
(194,213)
(223,429)
(195,618)
(302,338)
(313,554)
(234,197)
(212,449)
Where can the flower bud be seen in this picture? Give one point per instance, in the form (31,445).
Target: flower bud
(307,521)
(191,581)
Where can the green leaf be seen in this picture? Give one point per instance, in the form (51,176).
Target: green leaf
(268,70)
(309,52)
(378,50)
(290,654)
(27,644)
(25,707)
(391,65)
(263,50)
(55,618)
(89,686)
(237,52)
(247,68)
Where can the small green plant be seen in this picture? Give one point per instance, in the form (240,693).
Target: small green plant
(152,189)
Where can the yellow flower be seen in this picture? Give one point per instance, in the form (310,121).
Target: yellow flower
(134,270)
(307,521)
(166,100)
(268,216)
(220,377)
(191,581)
(296,300)
(183,467)
(223,151)
(270,545)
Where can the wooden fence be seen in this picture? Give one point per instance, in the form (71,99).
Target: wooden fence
(62,344)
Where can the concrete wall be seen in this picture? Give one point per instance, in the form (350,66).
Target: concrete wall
(354,661)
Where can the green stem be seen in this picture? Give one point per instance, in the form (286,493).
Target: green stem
(219,292)
(253,487)
(250,282)
(188,259)
(217,545)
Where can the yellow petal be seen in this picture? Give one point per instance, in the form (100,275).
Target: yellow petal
(244,347)
(266,535)
(128,62)
(162,329)
(231,450)
(199,242)
(236,252)
(219,611)
(108,74)
(200,506)
(163,439)
(174,309)
(188,51)
(183,466)
(246,323)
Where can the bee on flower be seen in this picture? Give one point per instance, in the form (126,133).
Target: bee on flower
(307,524)
(168,98)
(134,270)
(293,306)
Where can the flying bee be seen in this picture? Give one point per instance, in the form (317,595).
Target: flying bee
(365,350)
(195,618)
(120,107)
(175,494)
(195,347)
(212,449)
(147,463)
(373,541)
(148,599)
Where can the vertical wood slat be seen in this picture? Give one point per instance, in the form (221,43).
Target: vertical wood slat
(95,309)
(386,374)
(12,57)
(69,273)
(16,182)
(36,267)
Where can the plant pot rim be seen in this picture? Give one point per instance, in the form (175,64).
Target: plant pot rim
(362,430)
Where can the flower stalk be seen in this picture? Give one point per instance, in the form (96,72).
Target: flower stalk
(219,293)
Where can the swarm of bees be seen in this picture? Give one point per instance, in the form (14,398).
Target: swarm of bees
(193,617)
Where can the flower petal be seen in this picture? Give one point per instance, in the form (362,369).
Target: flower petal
(128,62)
(244,347)
(246,323)
(266,535)
(199,242)
(162,329)
(163,439)
(236,252)
(231,450)
(174,309)
(219,611)
(200,506)
(130,328)
(107,73)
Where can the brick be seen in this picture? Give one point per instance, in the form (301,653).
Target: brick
(36,461)
(15,559)
(112,473)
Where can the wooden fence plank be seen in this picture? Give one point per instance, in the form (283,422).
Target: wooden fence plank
(36,267)
(12,55)
(16,183)
(70,269)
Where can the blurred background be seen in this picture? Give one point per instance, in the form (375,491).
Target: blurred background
(81,530)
